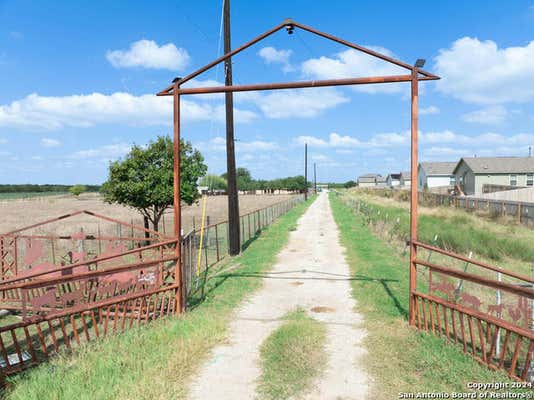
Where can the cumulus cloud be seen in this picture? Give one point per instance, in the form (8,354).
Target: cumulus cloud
(273,56)
(108,152)
(352,63)
(47,142)
(433,143)
(147,54)
(218,143)
(480,72)
(298,103)
(489,115)
(82,111)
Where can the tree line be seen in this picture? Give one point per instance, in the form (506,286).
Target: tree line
(33,188)
(246,182)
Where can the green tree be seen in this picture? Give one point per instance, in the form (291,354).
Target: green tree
(349,184)
(214,182)
(77,190)
(144,178)
(244,179)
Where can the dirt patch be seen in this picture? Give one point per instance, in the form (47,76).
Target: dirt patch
(323,309)
(297,283)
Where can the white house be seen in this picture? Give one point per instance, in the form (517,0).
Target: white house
(436,174)
(393,180)
(405,179)
(368,180)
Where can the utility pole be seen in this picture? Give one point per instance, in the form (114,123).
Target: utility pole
(306,171)
(233,200)
(315,178)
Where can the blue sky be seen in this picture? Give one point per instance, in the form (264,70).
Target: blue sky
(78,81)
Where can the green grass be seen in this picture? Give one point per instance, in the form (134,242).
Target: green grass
(399,359)
(27,195)
(291,357)
(157,361)
(460,233)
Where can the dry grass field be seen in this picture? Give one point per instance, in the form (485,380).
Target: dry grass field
(18,213)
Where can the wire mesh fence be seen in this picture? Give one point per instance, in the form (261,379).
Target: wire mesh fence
(197,260)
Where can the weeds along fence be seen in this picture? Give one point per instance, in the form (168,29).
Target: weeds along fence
(215,240)
(521,212)
(487,310)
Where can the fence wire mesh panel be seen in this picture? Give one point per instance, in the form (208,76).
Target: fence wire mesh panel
(215,240)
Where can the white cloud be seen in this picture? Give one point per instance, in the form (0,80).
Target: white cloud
(352,63)
(299,103)
(489,115)
(147,54)
(339,141)
(429,110)
(479,72)
(273,56)
(3,141)
(47,142)
(108,152)
(218,143)
(82,111)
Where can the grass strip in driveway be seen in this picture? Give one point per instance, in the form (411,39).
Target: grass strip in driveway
(292,357)
(157,361)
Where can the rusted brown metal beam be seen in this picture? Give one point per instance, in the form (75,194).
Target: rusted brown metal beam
(176,198)
(413,191)
(301,84)
(362,49)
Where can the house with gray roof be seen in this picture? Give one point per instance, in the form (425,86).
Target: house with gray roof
(381,181)
(435,174)
(368,180)
(405,179)
(473,173)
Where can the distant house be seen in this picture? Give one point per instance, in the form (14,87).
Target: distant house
(435,174)
(368,180)
(393,180)
(473,173)
(405,179)
(381,181)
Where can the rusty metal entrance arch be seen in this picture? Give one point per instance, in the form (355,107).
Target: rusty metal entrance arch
(415,75)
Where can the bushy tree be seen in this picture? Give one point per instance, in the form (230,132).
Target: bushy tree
(77,190)
(144,178)
(349,184)
(214,182)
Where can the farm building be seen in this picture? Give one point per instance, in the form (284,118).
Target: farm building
(436,174)
(368,180)
(473,173)
(393,180)
(405,179)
